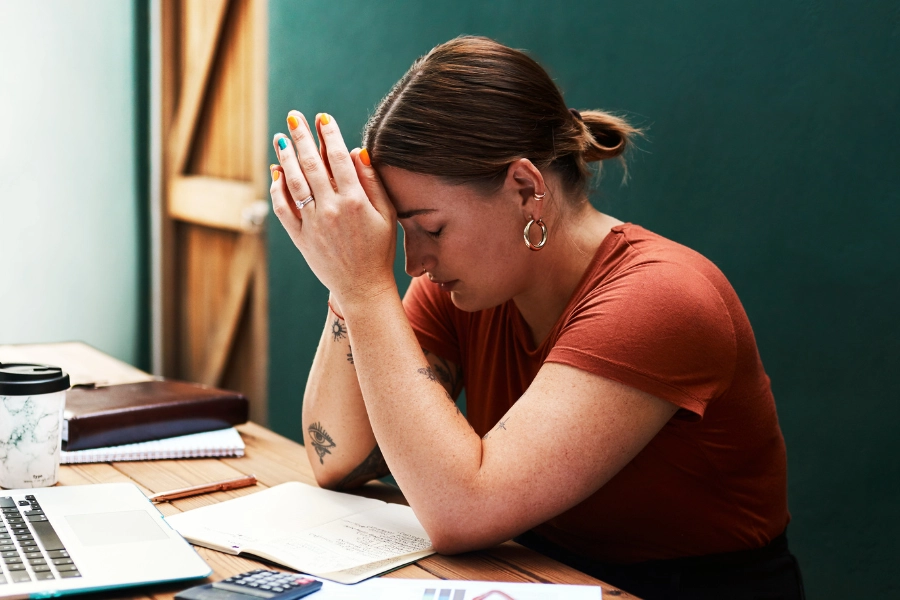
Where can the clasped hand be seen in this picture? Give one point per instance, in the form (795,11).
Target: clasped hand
(348,232)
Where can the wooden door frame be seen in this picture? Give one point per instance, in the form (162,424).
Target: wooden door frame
(239,206)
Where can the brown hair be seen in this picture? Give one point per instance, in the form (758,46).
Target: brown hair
(470,107)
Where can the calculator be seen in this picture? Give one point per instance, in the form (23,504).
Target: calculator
(252,585)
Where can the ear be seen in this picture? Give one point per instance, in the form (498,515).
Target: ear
(523,181)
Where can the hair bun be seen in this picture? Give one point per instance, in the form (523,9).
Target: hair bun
(606,135)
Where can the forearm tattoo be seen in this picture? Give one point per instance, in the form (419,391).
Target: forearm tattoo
(501,424)
(350,356)
(338,331)
(320,440)
(372,467)
(428,372)
(448,374)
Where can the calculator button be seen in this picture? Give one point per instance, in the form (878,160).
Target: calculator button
(67,574)
(16,567)
(44,575)
(57,554)
(40,568)
(19,577)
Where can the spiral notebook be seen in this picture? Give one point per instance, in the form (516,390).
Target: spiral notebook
(221,443)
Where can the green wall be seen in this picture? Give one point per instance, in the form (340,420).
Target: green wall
(73,176)
(771,149)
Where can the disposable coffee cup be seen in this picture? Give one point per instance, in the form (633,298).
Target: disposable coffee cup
(32,400)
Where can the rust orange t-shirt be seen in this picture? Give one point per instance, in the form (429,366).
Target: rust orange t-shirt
(659,317)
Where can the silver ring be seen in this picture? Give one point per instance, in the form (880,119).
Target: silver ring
(301,203)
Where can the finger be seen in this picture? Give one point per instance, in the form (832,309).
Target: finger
(322,149)
(371,183)
(303,152)
(298,127)
(297,187)
(342,169)
(289,217)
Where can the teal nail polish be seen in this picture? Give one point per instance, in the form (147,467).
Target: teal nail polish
(282,143)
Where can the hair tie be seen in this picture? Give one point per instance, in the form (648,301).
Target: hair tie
(576,114)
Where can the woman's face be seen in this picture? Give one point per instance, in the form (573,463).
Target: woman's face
(468,243)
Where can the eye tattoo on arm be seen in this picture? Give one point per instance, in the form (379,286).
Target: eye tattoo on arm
(321,441)
(338,331)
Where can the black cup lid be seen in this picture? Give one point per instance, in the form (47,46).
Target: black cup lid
(17,379)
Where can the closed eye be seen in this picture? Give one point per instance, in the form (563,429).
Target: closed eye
(435,234)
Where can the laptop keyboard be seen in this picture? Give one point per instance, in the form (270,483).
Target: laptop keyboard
(22,526)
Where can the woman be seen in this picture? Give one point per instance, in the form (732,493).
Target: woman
(618,412)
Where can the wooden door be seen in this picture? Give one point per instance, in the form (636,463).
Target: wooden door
(215,182)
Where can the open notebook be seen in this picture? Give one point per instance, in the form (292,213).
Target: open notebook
(224,442)
(331,535)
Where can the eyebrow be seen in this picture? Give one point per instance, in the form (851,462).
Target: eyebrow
(413,213)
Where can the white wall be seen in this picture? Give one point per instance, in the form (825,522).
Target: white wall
(68,198)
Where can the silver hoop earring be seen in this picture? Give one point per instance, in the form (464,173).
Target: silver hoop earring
(538,246)
(540,197)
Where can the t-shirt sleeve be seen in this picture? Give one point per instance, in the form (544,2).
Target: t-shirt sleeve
(659,327)
(431,314)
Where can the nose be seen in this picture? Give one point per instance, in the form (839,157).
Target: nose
(417,260)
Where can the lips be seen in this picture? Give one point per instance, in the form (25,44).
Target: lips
(445,286)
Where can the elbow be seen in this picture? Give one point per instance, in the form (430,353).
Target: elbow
(451,538)
(331,481)
(324,481)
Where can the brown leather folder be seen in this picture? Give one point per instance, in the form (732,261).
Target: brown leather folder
(148,410)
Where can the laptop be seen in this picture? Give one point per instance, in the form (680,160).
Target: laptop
(62,540)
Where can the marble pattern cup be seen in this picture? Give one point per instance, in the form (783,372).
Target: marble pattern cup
(30,430)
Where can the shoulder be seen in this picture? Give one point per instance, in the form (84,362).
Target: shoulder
(647,272)
(651,314)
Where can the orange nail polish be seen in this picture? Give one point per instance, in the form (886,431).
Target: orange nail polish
(293,122)
(275,172)
(324,119)
(364,157)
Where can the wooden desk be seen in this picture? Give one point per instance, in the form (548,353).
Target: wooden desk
(275,459)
